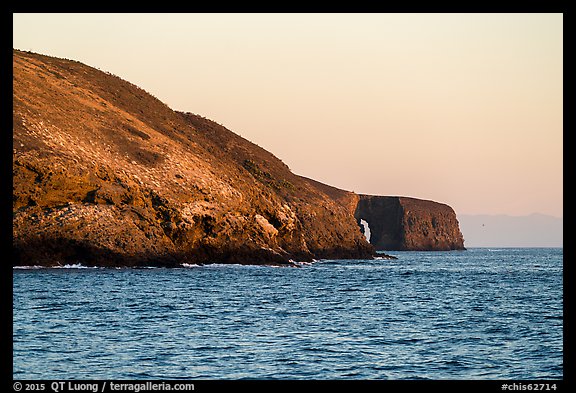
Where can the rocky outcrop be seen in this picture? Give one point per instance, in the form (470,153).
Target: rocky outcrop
(401,223)
(105,174)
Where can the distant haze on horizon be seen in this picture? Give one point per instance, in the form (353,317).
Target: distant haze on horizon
(463,109)
(534,230)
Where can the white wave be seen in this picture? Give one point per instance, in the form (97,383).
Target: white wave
(227,265)
(67,266)
(74,266)
(28,267)
(189,265)
(303,263)
(242,265)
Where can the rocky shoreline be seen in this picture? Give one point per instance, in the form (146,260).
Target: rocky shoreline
(104,174)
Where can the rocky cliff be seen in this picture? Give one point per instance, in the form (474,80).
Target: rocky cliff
(400,223)
(106,174)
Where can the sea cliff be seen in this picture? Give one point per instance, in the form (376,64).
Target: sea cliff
(105,174)
(401,223)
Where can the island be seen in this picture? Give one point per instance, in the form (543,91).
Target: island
(105,174)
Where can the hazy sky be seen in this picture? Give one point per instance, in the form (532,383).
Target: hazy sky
(464,109)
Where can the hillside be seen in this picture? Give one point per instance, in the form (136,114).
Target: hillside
(106,174)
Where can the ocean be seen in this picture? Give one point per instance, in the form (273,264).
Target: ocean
(476,314)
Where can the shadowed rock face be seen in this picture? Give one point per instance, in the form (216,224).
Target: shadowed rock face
(400,223)
(105,174)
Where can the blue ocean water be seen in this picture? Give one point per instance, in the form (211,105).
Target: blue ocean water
(475,314)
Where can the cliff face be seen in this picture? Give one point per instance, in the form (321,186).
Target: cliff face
(106,174)
(400,223)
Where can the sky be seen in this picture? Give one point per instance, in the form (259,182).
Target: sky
(463,109)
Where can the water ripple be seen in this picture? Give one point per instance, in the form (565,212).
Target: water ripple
(478,314)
